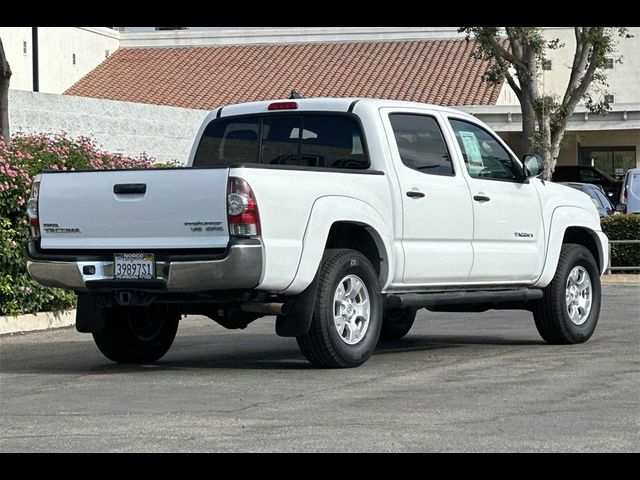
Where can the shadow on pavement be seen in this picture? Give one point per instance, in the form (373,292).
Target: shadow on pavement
(83,358)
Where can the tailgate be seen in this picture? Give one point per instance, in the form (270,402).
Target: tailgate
(134,209)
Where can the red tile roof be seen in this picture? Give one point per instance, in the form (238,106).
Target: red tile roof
(439,72)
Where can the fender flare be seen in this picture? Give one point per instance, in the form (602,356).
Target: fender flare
(302,290)
(322,217)
(563,218)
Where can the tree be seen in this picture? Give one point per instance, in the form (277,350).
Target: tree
(5,77)
(517,54)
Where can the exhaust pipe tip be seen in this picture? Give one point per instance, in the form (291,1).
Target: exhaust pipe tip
(264,307)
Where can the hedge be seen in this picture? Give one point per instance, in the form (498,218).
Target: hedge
(26,155)
(623,227)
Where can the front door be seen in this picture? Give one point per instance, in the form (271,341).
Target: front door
(508,239)
(437,212)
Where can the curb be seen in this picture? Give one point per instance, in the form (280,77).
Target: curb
(627,279)
(39,321)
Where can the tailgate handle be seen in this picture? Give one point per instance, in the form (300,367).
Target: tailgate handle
(130,189)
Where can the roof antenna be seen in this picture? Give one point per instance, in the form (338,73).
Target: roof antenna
(295,95)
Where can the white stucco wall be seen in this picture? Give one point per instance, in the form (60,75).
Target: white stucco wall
(623,79)
(20,63)
(199,37)
(165,133)
(57,45)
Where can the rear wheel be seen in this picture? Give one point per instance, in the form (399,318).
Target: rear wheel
(347,314)
(396,323)
(568,313)
(137,335)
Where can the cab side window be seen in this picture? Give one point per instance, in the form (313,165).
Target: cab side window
(421,144)
(483,156)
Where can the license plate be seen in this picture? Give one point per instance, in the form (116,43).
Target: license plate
(134,266)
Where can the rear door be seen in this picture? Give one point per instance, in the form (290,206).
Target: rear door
(437,211)
(134,209)
(508,238)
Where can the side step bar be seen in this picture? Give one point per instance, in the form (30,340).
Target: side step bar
(436,299)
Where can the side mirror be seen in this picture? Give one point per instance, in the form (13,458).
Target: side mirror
(533,165)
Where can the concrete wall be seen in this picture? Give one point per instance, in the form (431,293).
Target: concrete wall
(165,133)
(57,45)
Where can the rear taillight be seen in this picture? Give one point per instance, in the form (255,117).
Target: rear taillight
(242,209)
(625,194)
(32,210)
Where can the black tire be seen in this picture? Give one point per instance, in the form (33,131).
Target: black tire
(396,323)
(551,314)
(137,335)
(323,345)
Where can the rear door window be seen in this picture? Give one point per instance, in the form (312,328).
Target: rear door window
(309,140)
(421,144)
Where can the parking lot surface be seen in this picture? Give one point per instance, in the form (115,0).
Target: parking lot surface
(470,382)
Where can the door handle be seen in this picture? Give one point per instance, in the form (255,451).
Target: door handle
(414,194)
(130,188)
(481,198)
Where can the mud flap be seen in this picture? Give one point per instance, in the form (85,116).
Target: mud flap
(297,321)
(90,318)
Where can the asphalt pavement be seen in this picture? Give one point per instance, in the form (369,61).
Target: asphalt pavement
(457,382)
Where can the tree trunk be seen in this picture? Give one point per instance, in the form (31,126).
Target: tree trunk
(528,128)
(547,154)
(5,77)
(556,143)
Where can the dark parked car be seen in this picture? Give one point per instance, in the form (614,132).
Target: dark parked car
(592,175)
(598,197)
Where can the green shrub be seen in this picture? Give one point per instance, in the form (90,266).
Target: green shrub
(623,227)
(26,155)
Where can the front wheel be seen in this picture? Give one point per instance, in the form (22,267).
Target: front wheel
(569,310)
(347,315)
(137,335)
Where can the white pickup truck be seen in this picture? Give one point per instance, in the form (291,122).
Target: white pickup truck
(340,216)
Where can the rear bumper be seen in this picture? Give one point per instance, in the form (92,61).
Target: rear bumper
(240,267)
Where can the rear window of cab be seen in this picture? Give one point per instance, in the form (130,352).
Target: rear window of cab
(308,140)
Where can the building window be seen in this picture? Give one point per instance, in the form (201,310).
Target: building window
(547,64)
(613,161)
(609,98)
(609,63)
(73,59)
(24,48)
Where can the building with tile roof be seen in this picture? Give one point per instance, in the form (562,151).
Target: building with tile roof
(202,68)
(441,72)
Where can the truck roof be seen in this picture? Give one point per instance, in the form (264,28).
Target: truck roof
(327,104)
